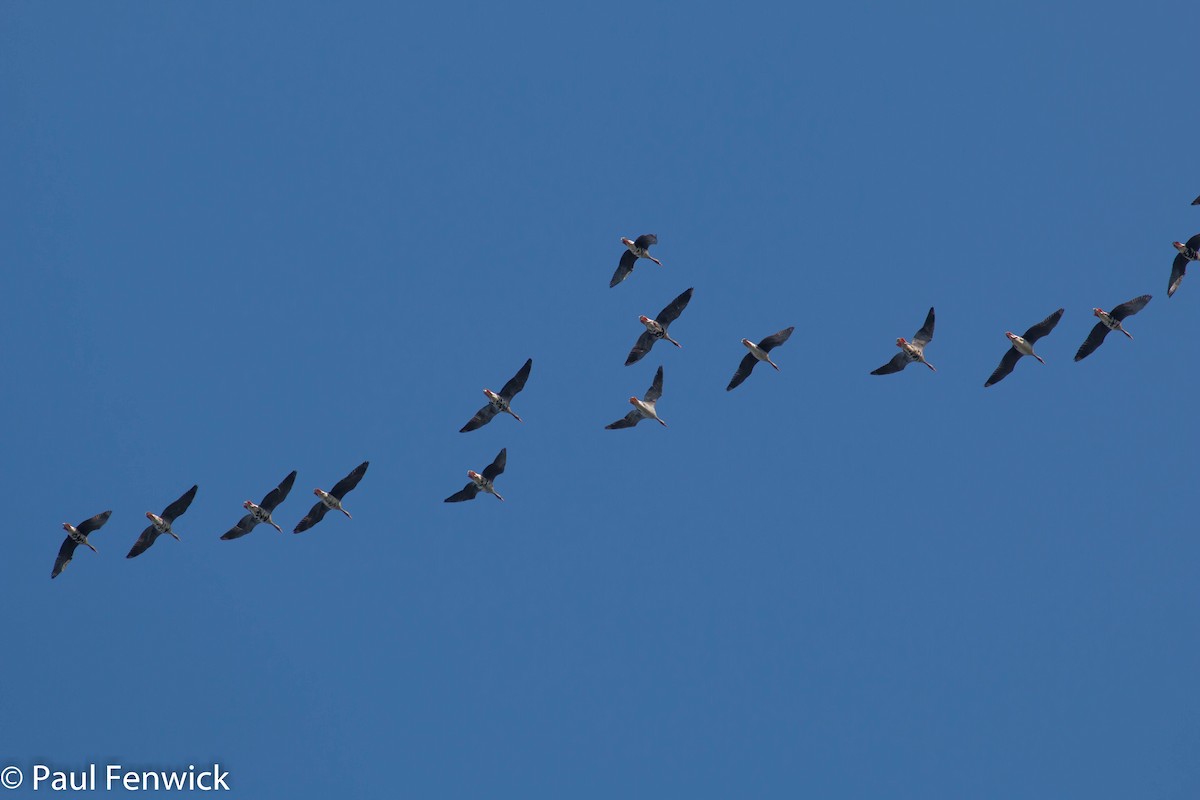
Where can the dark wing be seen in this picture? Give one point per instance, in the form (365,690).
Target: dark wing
(640,348)
(672,311)
(279,493)
(1094,340)
(1130,307)
(468,493)
(925,335)
(89,525)
(1006,366)
(65,554)
(518,381)
(144,541)
(1196,202)
(775,339)
(628,421)
(743,372)
(624,267)
(315,515)
(898,362)
(491,471)
(1194,242)
(645,240)
(655,390)
(1043,327)
(482,417)
(243,527)
(177,508)
(347,484)
(1178,270)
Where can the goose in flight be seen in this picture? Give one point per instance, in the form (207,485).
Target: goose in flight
(644,408)
(758,352)
(481,483)
(910,351)
(262,511)
(1110,321)
(77,535)
(1188,251)
(162,524)
(635,249)
(500,403)
(656,328)
(332,500)
(1023,346)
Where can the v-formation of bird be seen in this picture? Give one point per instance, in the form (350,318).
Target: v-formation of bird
(644,408)
(913,351)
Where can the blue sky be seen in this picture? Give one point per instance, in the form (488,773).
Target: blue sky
(244,239)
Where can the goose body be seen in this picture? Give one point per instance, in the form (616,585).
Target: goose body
(332,500)
(162,524)
(500,402)
(1023,346)
(656,329)
(77,535)
(482,482)
(1187,252)
(644,408)
(261,512)
(910,352)
(1110,321)
(634,249)
(759,353)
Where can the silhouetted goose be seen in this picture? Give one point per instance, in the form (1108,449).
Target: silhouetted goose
(642,409)
(1023,346)
(635,249)
(1110,322)
(758,352)
(332,500)
(162,524)
(498,403)
(481,483)
(77,535)
(262,511)
(657,328)
(1187,252)
(910,351)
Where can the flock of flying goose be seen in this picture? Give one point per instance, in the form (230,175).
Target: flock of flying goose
(645,408)
(258,512)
